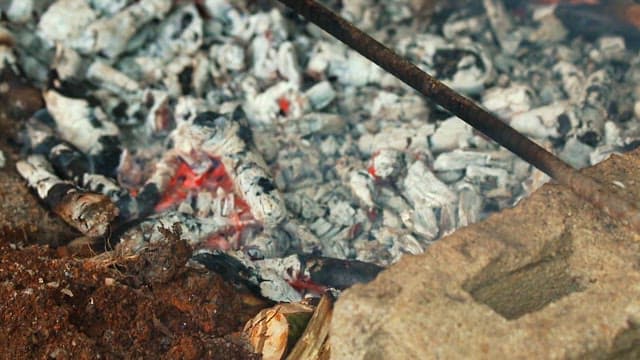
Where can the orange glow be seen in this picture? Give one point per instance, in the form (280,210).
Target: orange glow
(186,183)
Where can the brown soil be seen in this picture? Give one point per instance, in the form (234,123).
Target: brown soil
(55,305)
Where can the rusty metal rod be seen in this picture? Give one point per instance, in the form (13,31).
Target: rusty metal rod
(467,110)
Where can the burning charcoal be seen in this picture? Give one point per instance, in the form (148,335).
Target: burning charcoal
(274,331)
(386,164)
(88,212)
(261,136)
(138,234)
(282,99)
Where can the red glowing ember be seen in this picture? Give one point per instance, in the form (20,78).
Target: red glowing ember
(284,105)
(186,184)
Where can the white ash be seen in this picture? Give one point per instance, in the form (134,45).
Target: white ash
(2,159)
(361,166)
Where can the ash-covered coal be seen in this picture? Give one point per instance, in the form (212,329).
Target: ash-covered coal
(249,129)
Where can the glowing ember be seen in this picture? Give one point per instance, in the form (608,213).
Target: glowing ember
(186,184)
(285,105)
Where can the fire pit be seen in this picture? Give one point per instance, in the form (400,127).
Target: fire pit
(288,162)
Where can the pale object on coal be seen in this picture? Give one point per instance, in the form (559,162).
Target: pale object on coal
(452,133)
(287,63)
(104,75)
(2,159)
(544,121)
(317,124)
(320,95)
(550,29)
(264,107)
(406,107)
(466,26)
(20,11)
(361,184)
(509,100)
(503,29)
(68,63)
(469,204)
(398,136)
(573,79)
(494,182)
(611,133)
(65,20)
(79,123)
(109,7)
(611,48)
(460,159)
(229,56)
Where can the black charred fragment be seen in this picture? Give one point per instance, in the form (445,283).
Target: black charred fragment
(266,185)
(70,163)
(186,80)
(338,273)
(147,199)
(207,119)
(57,194)
(44,147)
(230,268)
(107,160)
(44,116)
(592,21)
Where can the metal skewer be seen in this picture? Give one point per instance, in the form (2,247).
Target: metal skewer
(489,124)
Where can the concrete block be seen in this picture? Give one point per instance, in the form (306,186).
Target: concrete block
(553,278)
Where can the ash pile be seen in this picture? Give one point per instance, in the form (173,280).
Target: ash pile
(272,147)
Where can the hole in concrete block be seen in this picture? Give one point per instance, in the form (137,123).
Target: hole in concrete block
(513,290)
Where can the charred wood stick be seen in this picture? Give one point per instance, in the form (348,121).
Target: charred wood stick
(89,212)
(482,120)
(276,278)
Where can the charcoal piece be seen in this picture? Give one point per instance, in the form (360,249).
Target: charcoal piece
(338,273)
(90,213)
(591,21)
(230,268)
